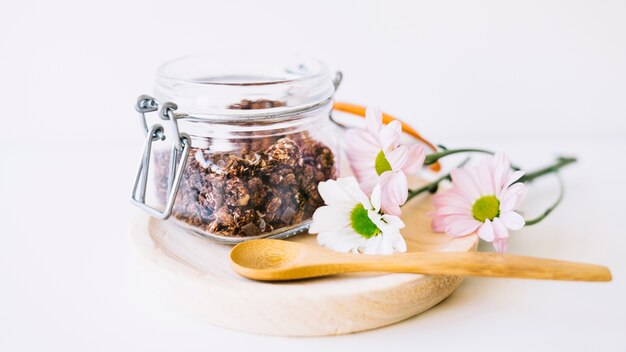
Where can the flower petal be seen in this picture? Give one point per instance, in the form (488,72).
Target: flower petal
(373,119)
(341,240)
(392,235)
(398,158)
(389,136)
(392,220)
(453,197)
(377,245)
(501,159)
(509,197)
(370,245)
(508,203)
(375,217)
(498,174)
(351,187)
(438,223)
(521,197)
(484,180)
(367,180)
(512,220)
(500,167)
(334,194)
(451,210)
(460,225)
(463,180)
(500,244)
(328,218)
(361,143)
(375,197)
(361,150)
(514,176)
(399,244)
(392,208)
(485,231)
(499,229)
(394,192)
(415,161)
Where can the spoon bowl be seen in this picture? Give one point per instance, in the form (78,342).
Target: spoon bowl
(264,255)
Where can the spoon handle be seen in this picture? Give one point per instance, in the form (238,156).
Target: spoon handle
(482,264)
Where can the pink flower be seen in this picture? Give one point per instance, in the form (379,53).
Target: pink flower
(483,199)
(376,157)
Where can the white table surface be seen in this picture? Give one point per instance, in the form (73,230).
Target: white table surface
(70,279)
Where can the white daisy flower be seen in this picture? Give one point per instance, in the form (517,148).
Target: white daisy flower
(352,222)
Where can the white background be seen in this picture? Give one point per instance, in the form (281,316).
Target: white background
(534,78)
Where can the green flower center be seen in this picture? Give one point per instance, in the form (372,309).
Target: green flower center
(382,164)
(361,222)
(486,207)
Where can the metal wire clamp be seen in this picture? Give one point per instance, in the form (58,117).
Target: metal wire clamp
(178,157)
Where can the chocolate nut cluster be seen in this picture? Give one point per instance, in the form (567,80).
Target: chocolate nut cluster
(268,184)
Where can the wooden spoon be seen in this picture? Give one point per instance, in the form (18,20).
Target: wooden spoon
(278,260)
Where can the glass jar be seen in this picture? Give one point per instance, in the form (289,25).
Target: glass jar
(245,141)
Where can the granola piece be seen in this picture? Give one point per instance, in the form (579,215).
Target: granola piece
(242,216)
(284,151)
(223,220)
(257,190)
(250,229)
(234,166)
(272,209)
(211,196)
(236,193)
(287,215)
(283,177)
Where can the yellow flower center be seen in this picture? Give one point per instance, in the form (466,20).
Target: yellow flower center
(361,222)
(486,207)
(382,164)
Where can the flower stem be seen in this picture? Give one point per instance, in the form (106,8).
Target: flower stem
(561,162)
(432,186)
(551,208)
(554,168)
(434,157)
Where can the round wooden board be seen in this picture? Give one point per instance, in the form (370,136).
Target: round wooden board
(195,273)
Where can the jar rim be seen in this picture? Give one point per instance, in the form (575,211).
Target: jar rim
(164,69)
(204,85)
